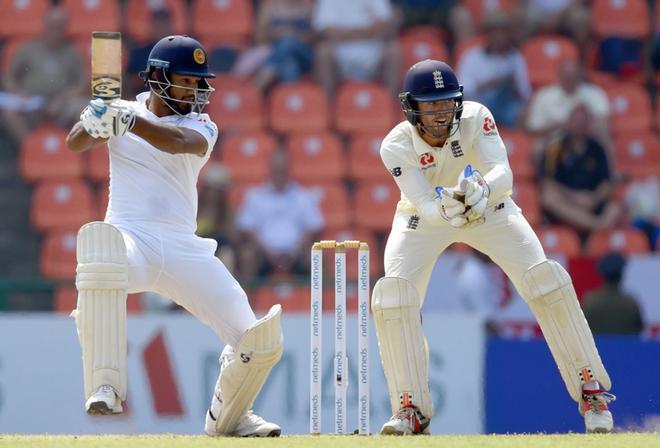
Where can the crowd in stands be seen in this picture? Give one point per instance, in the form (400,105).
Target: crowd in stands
(307,88)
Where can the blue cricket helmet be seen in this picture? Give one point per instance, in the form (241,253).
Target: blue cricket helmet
(430,80)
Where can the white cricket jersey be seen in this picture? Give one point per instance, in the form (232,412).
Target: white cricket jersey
(418,167)
(149,186)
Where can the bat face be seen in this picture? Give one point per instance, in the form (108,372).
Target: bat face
(106,65)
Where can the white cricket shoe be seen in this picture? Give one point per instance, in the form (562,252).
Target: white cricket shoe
(104,401)
(408,421)
(593,407)
(251,425)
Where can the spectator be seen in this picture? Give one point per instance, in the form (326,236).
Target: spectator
(356,43)
(495,74)
(609,310)
(642,202)
(279,220)
(46,79)
(284,31)
(159,26)
(551,105)
(570,17)
(576,179)
(425,12)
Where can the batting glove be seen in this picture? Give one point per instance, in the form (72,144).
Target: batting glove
(103,120)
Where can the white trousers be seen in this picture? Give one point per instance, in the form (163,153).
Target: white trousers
(184,268)
(506,237)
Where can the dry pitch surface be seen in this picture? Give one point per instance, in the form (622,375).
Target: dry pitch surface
(620,440)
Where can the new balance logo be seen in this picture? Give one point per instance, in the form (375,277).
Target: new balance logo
(437,80)
(413,222)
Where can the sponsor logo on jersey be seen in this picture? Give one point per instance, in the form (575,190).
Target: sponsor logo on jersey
(456,149)
(427,160)
(499,206)
(489,127)
(396,171)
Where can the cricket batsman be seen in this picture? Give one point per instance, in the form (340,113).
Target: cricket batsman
(158,144)
(452,169)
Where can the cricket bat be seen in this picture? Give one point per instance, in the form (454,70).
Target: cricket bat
(106,65)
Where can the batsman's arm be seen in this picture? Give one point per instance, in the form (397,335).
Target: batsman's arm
(79,140)
(169,138)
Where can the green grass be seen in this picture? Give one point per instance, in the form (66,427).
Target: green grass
(620,440)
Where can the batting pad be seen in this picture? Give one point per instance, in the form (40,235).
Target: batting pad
(102,280)
(548,289)
(242,378)
(403,350)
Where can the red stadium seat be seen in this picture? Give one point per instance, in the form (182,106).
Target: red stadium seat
(364,162)
(375,204)
(299,107)
(559,240)
(526,196)
(621,18)
(631,108)
(628,241)
(637,154)
(543,55)
(22,18)
(44,155)
(64,204)
(290,296)
(519,149)
(66,297)
(58,255)
(236,106)
(224,18)
(247,155)
(137,17)
(481,8)
(98,164)
(364,107)
(316,157)
(334,202)
(86,16)
(422,42)
(363,235)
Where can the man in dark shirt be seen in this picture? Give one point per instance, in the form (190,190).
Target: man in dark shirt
(576,179)
(608,309)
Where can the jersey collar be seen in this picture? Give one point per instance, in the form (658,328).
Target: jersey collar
(421,147)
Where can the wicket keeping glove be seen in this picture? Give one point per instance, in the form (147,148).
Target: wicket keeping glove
(452,208)
(102,120)
(476,192)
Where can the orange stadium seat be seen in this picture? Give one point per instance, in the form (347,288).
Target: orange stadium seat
(364,162)
(86,16)
(628,241)
(621,18)
(637,155)
(44,155)
(298,107)
(481,8)
(224,18)
(366,236)
(9,50)
(66,297)
(22,18)
(334,202)
(375,204)
(543,55)
(62,204)
(247,155)
(519,148)
(291,297)
(237,105)
(631,108)
(422,42)
(316,157)
(526,196)
(58,255)
(559,240)
(98,164)
(362,107)
(137,17)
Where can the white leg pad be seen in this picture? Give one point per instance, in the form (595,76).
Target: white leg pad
(242,377)
(549,291)
(403,349)
(102,280)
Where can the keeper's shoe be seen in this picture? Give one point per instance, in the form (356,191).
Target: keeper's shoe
(407,421)
(594,409)
(251,425)
(104,402)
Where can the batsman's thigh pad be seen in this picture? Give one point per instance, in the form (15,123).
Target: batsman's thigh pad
(259,349)
(102,280)
(403,350)
(549,291)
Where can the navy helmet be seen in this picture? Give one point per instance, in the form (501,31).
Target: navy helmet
(429,81)
(181,55)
